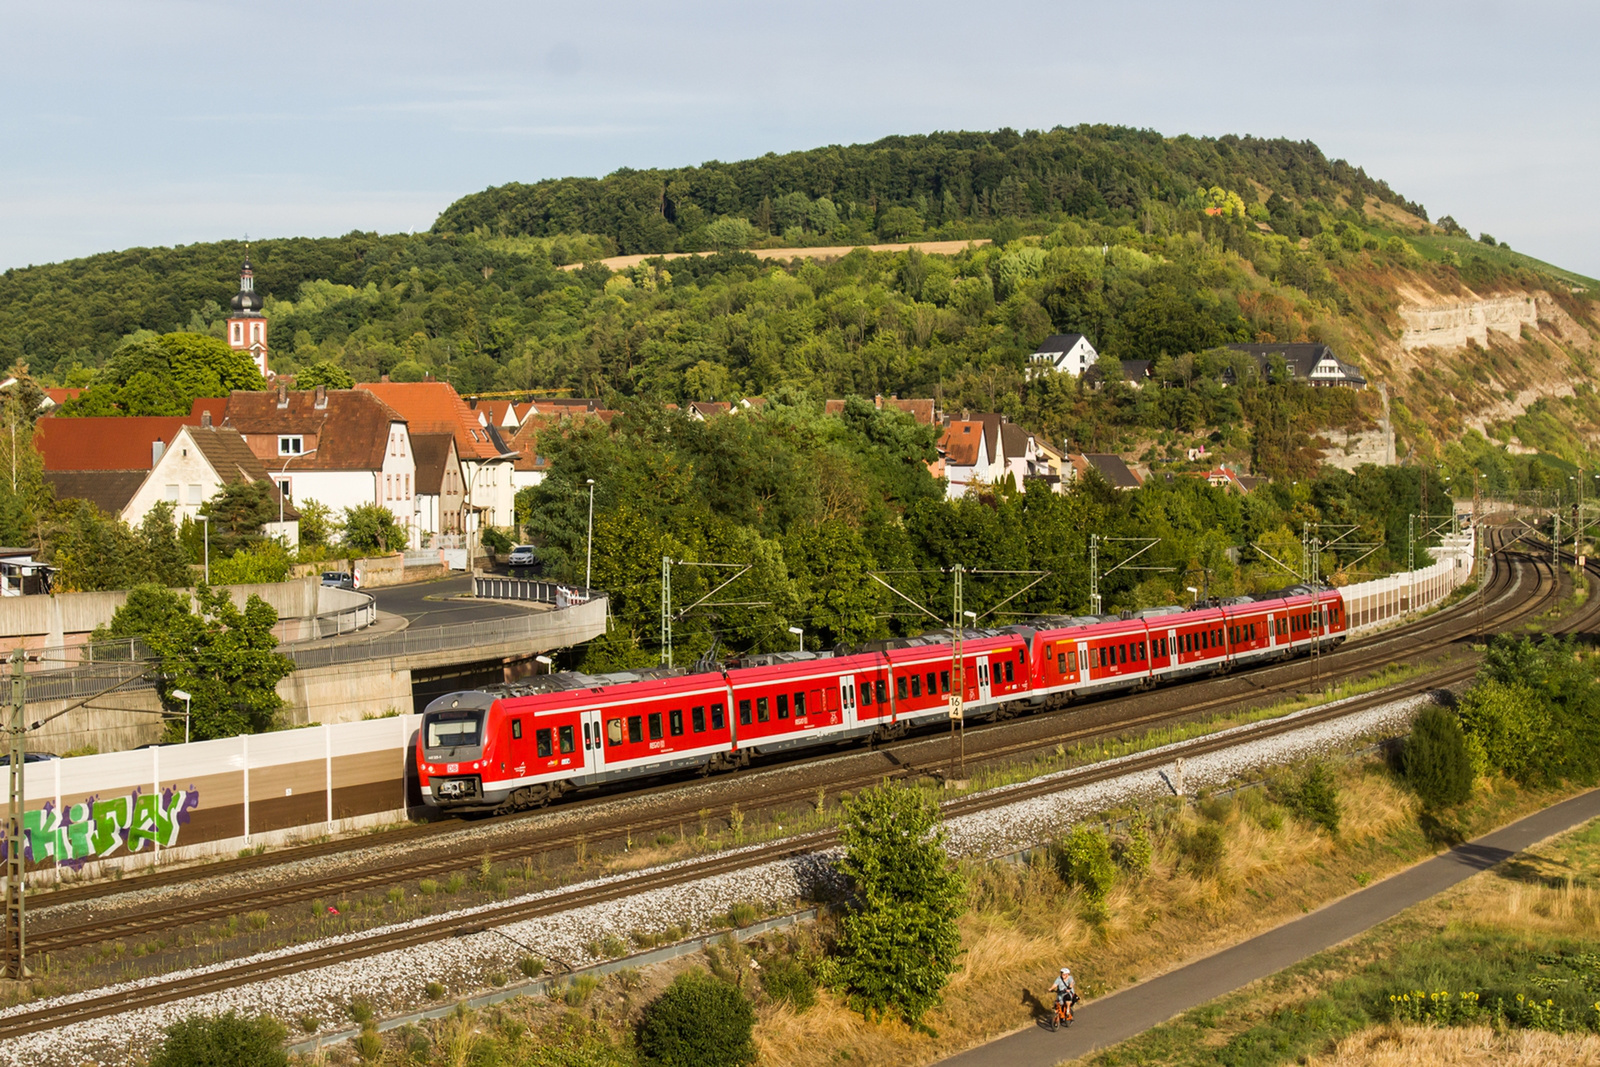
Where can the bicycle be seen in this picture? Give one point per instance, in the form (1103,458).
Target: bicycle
(1062,1015)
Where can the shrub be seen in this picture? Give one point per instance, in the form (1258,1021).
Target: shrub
(897,948)
(698,1022)
(1132,850)
(1313,797)
(531,966)
(788,979)
(579,991)
(1084,860)
(227,1040)
(1435,761)
(1203,849)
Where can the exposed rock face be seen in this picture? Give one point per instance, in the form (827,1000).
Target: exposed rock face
(1447,326)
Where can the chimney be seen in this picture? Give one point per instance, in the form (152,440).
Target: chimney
(205,419)
(322,397)
(283,395)
(383,379)
(157,447)
(427,375)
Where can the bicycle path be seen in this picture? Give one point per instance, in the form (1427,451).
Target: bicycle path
(1132,1011)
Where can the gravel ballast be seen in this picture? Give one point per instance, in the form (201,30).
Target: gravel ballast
(394,982)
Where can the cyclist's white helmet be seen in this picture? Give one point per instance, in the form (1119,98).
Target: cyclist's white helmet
(1066,970)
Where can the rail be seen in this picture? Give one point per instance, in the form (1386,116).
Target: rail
(561,594)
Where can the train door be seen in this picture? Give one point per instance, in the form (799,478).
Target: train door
(1272,630)
(847,699)
(1172,648)
(983,679)
(593,750)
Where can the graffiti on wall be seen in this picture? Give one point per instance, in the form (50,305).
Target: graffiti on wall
(97,829)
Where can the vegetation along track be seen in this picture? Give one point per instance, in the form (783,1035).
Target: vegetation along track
(986,742)
(158,992)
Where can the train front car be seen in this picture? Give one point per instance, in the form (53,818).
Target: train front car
(452,752)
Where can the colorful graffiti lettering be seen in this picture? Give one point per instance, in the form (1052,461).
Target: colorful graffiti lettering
(96,829)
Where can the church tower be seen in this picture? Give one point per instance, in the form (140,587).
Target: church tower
(247,327)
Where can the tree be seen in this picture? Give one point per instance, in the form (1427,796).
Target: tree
(225,659)
(1435,761)
(227,1040)
(699,1021)
(238,511)
(372,528)
(897,223)
(317,526)
(94,551)
(325,373)
(898,946)
(149,609)
(263,561)
(728,234)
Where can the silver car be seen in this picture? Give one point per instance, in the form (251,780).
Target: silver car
(523,556)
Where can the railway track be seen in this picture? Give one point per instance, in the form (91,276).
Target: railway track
(1264,683)
(159,992)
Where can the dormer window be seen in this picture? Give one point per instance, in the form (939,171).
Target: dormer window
(290,445)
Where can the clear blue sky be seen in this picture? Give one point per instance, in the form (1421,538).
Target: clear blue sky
(158,123)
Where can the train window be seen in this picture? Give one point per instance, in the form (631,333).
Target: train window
(568,742)
(783,705)
(900,687)
(697,719)
(881,688)
(944,681)
(744,713)
(1061,663)
(614,731)
(541,742)
(916,685)
(930,683)
(516,728)
(675,722)
(635,729)
(1205,639)
(865,694)
(716,717)
(762,713)
(800,701)
(1010,674)
(655,726)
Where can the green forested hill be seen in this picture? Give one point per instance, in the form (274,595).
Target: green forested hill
(955,184)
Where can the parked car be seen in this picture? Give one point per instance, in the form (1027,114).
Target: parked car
(338,579)
(523,556)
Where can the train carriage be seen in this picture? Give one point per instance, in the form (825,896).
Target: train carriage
(790,699)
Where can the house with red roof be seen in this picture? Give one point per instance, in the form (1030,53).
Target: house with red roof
(103,460)
(339,447)
(486,458)
(196,465)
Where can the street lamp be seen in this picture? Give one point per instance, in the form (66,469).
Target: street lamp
(801,634)
(1195,594)
(549,664)
(588,555)
(179,694)
(207,520)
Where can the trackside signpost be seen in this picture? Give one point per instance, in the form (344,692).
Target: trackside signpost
(15,967)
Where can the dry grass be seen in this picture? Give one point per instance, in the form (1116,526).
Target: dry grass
(1391,1046)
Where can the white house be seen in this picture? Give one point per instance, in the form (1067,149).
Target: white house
(340,447)
(987,449)
(485,457)
(440,487)
(194,468)
(1062,353)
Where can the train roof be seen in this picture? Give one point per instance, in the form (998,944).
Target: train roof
(568,681)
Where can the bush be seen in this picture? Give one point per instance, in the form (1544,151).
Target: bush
(788,979)
(1313,798)
(898,946)
(1132,850)
(1203,849)
(1085,861)
(698,1022)
(227,1040)
(496,541)
(1435,760)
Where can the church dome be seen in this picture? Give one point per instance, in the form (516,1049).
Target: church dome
(247,301)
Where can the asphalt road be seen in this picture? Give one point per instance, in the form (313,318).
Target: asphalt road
(1136,1009)
(434,603)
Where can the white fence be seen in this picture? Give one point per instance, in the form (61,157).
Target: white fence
(1371,604)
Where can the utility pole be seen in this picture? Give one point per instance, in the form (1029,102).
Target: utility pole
(958,700)
(15,867)
(666,609)
(1094,574)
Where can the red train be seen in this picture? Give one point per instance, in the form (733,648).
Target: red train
(521,745)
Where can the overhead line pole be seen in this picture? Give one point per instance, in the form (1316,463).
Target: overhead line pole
(16,967)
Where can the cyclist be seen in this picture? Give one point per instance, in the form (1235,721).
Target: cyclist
(1066,991)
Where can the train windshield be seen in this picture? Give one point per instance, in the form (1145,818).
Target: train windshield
(459,730)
